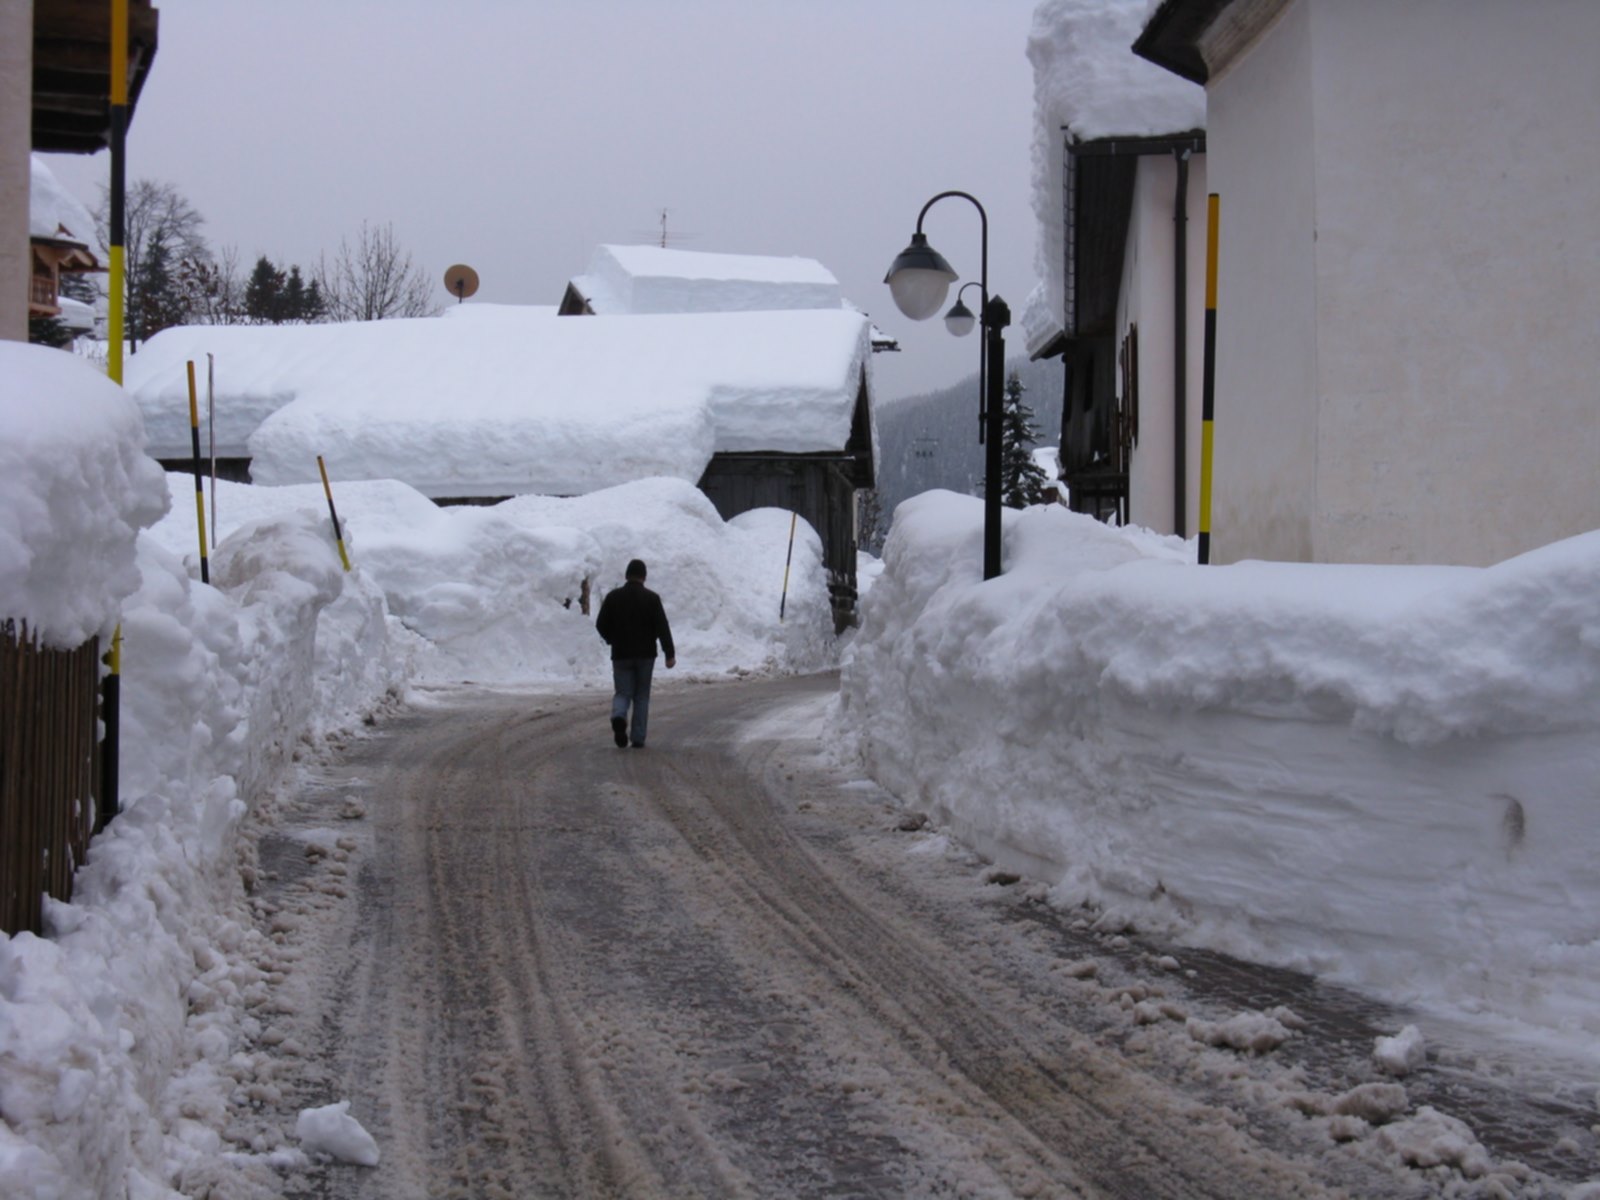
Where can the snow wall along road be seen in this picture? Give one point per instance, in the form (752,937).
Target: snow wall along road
(1386,775)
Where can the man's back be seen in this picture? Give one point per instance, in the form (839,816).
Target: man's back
(631,619)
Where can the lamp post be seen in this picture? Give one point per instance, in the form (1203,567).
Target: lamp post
(920,279)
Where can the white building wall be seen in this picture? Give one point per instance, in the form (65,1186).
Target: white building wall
(16,141)
(1259,141)
(1147,274)
(1458,275)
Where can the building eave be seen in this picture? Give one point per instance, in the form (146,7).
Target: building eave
(1171,37)
(72,71)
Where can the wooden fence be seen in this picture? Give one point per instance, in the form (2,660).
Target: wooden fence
(49,770)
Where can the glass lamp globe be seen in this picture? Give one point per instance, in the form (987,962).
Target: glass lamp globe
(919,279)
(960,319)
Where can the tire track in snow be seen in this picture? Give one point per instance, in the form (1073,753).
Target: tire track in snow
(698,971)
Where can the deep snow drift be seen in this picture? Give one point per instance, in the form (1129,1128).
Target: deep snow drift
(1382,774)
(496,593)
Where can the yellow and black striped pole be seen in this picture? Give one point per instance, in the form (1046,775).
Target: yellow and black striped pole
(118,232)
(1208,393)
(338,534)
(111,688)
(199,477)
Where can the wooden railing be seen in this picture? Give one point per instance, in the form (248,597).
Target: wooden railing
(49,769)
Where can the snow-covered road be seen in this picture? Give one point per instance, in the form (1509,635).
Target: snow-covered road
(539,966)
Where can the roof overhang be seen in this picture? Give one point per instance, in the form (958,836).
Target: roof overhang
(1198,39)
(1101,174)
(72,71)
(1056,347)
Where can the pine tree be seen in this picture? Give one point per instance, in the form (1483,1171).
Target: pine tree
(1022,480)
(48,331)
(294,296)
(80,286)
(315,308)
(263,294)
(159,302)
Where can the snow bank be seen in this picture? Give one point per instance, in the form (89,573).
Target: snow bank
(1087,79)
(75,488)
(495,593)
(120,1031)
(657,279)
(1381,773)
(507,405)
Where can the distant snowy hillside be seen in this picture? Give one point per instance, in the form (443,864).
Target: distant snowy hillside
(931,440)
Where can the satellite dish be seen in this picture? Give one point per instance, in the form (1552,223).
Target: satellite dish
(461,280)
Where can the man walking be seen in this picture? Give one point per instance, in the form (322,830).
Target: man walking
(631,619)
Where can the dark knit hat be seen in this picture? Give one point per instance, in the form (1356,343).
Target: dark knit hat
(636,569)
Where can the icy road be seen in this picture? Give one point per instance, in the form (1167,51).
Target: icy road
(539,966)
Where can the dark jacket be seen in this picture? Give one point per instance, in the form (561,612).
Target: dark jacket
(631,619)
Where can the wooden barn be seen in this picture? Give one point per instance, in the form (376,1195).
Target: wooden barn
(820,487)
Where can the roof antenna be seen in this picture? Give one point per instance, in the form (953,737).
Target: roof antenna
(663,238)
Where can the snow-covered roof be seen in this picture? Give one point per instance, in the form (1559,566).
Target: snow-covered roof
(55,213)
(1087,78)
(1088,81)
(511,405)
(655,279)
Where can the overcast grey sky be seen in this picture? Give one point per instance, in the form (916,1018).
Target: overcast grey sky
(515,135)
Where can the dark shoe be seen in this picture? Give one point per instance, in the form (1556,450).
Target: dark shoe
(638,745)
(619,731)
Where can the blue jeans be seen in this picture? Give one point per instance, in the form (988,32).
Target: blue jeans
(630,679)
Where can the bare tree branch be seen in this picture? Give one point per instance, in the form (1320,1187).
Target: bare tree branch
(374,280)
(152,212)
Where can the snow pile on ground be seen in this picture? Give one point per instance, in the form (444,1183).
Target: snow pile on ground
(657,279)
(1384,774)
(496,593)
(510,406)
(118,1030)
(1087,80)
(74,490)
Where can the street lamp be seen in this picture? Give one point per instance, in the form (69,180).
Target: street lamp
(959,320)
(920,279)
